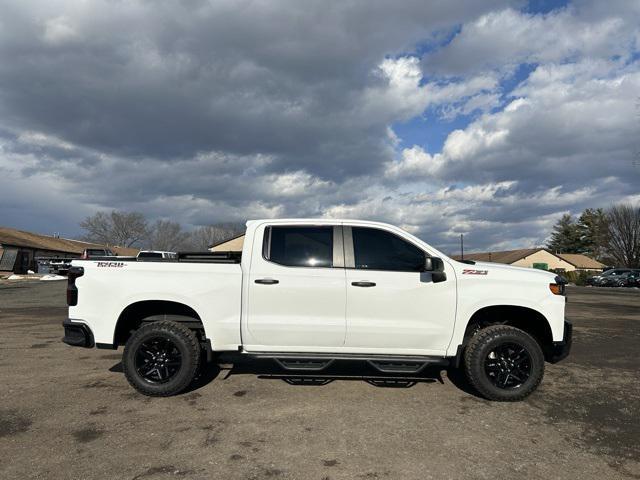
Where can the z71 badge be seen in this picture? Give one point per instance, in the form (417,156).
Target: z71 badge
(471,271)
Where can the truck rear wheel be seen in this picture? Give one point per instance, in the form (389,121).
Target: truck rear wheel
(504,363)
(161,358)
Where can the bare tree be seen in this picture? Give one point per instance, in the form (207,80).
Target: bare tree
(168,236)
(116,228)
(624,234)
(203,237)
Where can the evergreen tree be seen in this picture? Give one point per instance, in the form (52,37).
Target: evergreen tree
(592,227)
(565,237)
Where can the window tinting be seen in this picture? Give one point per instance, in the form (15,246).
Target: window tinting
(301,246)
(379,250)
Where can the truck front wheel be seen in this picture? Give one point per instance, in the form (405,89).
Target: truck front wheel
(161,358)
(504,363)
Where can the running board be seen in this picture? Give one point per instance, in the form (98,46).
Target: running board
(303,363)
(400,364)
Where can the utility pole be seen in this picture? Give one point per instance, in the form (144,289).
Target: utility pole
(461,246)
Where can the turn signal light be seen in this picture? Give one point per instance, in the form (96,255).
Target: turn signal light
(556,289)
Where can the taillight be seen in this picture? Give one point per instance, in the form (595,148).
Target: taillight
(72,290)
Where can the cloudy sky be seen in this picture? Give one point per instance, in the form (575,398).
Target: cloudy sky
(485,118)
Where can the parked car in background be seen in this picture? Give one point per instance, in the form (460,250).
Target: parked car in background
(626,279)
(59,266)
(156,255)
(632,279)
(599,280)
(614,280)
(96,252)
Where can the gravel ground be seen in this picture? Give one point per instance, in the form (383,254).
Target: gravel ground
(69,413)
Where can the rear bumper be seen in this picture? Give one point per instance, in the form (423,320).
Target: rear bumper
(560,350)
(77,334)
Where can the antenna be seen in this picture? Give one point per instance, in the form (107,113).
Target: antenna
(461,246)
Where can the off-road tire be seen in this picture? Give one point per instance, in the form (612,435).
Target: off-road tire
(184,340)
(480,347)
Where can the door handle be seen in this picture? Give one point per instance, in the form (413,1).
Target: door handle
(363,284)
(267,281)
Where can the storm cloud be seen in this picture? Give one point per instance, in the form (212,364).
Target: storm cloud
(201,111)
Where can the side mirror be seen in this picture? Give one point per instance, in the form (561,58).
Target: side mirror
(435,266)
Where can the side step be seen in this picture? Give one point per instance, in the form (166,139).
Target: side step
(407,365)
(315,365)
(398,366)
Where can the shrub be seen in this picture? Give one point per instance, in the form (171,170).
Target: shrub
(576,277)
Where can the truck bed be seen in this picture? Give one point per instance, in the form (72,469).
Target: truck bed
(209,283)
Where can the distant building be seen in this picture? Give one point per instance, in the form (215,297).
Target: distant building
(232,245)
(20,250)
(538,258)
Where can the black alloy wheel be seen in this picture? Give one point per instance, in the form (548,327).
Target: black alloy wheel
(508,365)
(158,359)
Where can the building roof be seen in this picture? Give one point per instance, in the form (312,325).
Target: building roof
(510,256)
(236,237)
(20,238)
(506,256)
(581,261)
(230,244)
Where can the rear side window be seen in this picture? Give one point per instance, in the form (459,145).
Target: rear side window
(379,250)
(299,246)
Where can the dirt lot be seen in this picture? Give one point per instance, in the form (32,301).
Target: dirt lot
(69,413)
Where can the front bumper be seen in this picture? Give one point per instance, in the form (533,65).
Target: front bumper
(77,334)
(560,350)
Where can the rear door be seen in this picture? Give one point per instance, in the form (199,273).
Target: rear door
(296,289)
(393,306)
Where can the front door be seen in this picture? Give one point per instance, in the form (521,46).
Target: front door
(296,291)
(393,306)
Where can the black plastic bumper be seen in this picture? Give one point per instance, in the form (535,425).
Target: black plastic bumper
(77,334)
(561,349)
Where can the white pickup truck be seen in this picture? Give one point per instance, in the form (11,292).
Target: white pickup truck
(307,292)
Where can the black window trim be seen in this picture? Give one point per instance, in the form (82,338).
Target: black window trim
(338,249)
(349,252)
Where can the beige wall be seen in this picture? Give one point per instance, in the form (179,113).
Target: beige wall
(233,245)
(543,256)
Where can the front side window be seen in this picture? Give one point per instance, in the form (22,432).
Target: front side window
(299,246)
(380,250)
